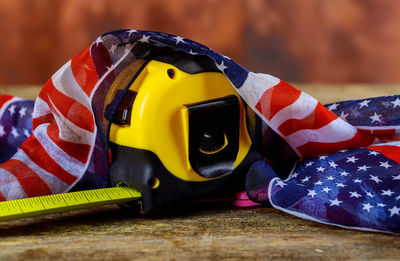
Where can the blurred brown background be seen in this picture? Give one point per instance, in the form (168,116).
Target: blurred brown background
(313,41)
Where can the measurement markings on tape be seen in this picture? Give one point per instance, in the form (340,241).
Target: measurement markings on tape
(29,207)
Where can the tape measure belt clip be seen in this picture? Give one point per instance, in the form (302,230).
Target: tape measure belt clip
(214,136)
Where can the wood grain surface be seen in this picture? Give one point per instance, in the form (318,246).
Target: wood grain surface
(203,231)
(206,231)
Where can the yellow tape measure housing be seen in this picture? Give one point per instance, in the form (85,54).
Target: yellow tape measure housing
(29,207)
(160,121)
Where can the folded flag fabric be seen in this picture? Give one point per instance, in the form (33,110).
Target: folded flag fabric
(66,147)
(15,124)
(354,188)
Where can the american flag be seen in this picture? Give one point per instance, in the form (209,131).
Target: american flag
(68,150)
(355,188)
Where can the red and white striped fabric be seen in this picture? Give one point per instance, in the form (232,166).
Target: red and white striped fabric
(308,126)
(55,156)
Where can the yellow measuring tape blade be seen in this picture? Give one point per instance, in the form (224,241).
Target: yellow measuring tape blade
(28,207)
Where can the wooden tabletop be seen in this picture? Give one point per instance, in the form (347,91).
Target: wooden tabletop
(204,231)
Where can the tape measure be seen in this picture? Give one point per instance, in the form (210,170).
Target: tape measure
(43,205)
(178,133)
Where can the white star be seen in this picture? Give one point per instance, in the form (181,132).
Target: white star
(398,197)
(293,175)
(131,32)
(14,132)
(340,185)
(381,205)
(333,164)
(333,106)
(11,110)
(308,164)
(344,173)
(355,113)
(352,159)
(191,52)
(396,103)
(26,133)
(2,132)
(144,39)
(386,104)
(364,167)
(109,68)
(374,153)
(98,40)
(159,44)
(394,211)
(318,182)
(357,180)
(221,66)
(387,192)
(22,112)
(226,57)
(343,115)
(305,179)
(364,103)
(113,48)
(335,202)
(320,169)
(311,193)
(375,117)
(385,164)
(367,207)
(396,177)
(369,194)
(280,183)
(375,178)
(178,39)
(129,47)
(330,178)
(323,157)
(326,189)
(354,194)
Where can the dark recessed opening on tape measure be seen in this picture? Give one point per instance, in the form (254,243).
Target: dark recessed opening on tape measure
(153,182)
(122,115)
(171,73)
